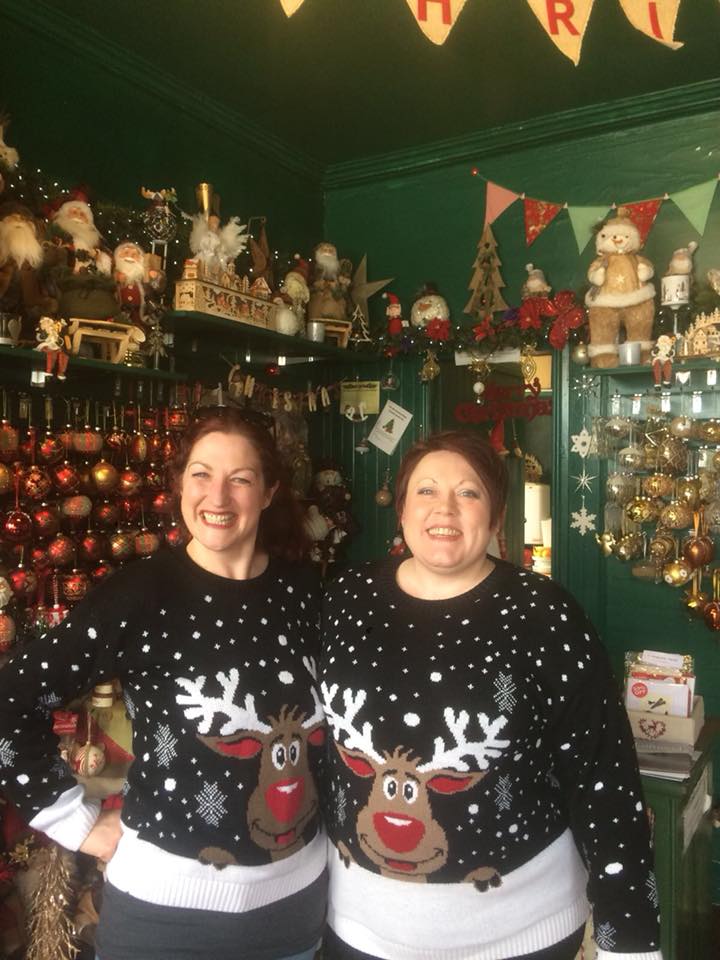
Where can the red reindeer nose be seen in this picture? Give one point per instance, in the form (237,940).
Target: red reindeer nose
(284,798)
(398,832)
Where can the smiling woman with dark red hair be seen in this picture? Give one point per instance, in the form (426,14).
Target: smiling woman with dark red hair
(482,788)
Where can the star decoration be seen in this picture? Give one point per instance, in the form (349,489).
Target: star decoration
(582,521)
(584,480)
(585,385)
(362,288)
(581,442)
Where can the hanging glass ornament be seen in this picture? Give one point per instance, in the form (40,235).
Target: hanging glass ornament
(159,222)
(480,369)
(36,482)
(162,503)
(384,497)
(46,520)
(101,571)
(106,514)
(92,547)
(61,550)
(75,585)
(105,476)
(175,535)
(430,368)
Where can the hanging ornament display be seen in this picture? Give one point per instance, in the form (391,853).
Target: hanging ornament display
(384,497)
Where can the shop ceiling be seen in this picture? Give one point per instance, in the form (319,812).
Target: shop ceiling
(346,79)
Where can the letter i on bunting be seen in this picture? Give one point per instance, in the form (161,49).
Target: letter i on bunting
(436,18)
(656,18)
(565,22)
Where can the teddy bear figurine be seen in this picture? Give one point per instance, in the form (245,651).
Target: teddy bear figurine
(621,294)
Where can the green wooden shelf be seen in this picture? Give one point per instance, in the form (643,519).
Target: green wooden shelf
(265,345)
(36,358)
(688,363)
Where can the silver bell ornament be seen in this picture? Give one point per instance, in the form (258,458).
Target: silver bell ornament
(580,354)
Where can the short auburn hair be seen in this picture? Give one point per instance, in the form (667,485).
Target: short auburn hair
(473,447)
(280,530)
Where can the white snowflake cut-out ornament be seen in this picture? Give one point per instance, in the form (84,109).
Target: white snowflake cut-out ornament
(581,443)
(582,521)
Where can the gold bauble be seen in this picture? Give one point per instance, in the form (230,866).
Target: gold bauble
(661,547)
(629,547)
(709,430)
(688,491)
(676,515)
(682,427)
(580,354)
(677,573)
(105,476)
(620,487)
(383,498)
(672,455)
(657,485)
(642,510)
(632,457)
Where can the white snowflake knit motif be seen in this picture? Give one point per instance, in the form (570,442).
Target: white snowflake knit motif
(165,744)
(341,806)
(581,443)
(503,793)
(7,754)
(582,521)
(651,884)
(48,702)
(605,936)
(211,803)
(129,705)
(504,692)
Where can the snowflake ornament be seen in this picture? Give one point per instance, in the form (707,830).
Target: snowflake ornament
(582,521)
(584,480)
(581,443)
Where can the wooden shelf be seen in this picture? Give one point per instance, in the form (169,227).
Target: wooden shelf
(687,363)
(36,358)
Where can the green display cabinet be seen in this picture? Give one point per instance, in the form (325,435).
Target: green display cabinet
(682,831)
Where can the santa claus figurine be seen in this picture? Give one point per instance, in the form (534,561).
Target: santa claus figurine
(138,282)
(393,312)
(52,342)
(21,256)
(73,227)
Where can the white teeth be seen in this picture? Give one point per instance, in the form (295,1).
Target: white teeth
(398,821)
(287,788)
(443,531)
(218,518)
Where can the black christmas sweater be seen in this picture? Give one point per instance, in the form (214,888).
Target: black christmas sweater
(218,677)
(481,778)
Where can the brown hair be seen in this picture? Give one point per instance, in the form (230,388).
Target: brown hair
(280,530)
(474,448)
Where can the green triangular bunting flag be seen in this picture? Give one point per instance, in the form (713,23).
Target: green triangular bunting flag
(695,203)
(583,219)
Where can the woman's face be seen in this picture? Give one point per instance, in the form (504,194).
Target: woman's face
(224,493)
(446,516)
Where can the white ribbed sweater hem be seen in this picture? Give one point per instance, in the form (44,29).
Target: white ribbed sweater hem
(156,876)
(606,955)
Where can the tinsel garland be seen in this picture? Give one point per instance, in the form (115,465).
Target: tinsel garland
(51,932)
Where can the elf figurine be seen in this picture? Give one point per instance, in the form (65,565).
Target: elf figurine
(49,335)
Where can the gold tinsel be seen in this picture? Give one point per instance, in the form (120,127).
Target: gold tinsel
(51,932)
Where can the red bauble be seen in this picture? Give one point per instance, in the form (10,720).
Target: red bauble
(66,477)
(7,631)
(87,441)
(154,477)
(175,536)
(105,477)
(17,526)
(163,503)
(138,449)
(27,447)
(9,441)
(101,572)
(146,542)
(50,449)
(122,545)
(61,551)
(130,509)
(168,448)
(130,482)
(87,484)
(6,479)
(178,418)
(106,515)
(92,547)
(115,440)
(36,483)
(39,557)
(46,520)
(154,442)
(75,585)
(23,582)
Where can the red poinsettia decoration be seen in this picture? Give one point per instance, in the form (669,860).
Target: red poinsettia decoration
(437,329)
(569,316)
(531,312)
(483,329)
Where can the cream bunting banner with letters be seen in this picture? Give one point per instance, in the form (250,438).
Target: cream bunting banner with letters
(436,18)
(656,18)
(565,22)
(291,6)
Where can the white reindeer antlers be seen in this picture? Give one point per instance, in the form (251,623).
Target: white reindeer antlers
(201,705)
(357,739)
(480,750)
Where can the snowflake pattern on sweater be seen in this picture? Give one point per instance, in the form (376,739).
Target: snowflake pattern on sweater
(219,679)
(471,733)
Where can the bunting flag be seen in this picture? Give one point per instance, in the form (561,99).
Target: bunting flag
(695,203)
(291,6)
(497,200)
(642,213)
(565,22)
(538,214)
(656,18)
(436,18)
(583,219)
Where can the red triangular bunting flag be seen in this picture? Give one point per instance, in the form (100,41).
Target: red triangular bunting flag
(643,215)
(538,214)
(497,200)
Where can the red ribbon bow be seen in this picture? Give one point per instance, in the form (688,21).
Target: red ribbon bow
(570,316)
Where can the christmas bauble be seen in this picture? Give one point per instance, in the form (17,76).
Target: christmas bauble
(75,585)
(87,759)
(676,573)
(617,427)
(698,551)
(92,547)
(661,547)
(676,515)
(178,418)
(162,503)
(580,354)
(36,483)
(130,509)
(672,455)
(154,477)
(65,477)
(146,542)
(138,448)
(39,556)
(657,485)
(383,498)
(711,615)
(709,430)
(105,477)
(122,545)
(160,223)
(115,440)
(46,520)
(87,484)
(9,441)
(6,479)
(50,449)
(76,508)
(61,551)
(154,446)
(620,487)
(688,490)
(682,427)
(642,510)
(87,441)
(168,448)
(17,526)
(26,450)
(129,482)
(695,603)
(175,536)
(106,515)
(23,582)
(7,631)
(631,457)
(101,571)
(629,547)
